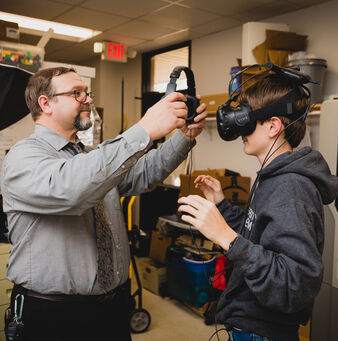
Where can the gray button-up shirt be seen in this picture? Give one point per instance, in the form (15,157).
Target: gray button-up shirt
(49,189)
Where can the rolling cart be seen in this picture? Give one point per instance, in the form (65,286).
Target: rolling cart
(139,318)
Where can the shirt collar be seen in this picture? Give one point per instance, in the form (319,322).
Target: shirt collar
(54,139)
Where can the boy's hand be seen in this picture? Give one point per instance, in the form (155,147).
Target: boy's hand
(210,187)
(194,129)
(205,216)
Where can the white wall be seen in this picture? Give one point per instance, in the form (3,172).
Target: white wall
(211,59)
(108,91)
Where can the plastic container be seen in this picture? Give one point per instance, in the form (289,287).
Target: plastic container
(28,57)
(198,265)
(236,84)
(315,68)
(188,280)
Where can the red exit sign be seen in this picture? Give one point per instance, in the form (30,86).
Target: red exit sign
(115,52)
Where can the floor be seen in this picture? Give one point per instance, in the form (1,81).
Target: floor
(173,321)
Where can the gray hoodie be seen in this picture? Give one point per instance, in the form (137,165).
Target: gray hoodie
(277,264)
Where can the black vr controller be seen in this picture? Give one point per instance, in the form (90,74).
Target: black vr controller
(240,120)
(192,102)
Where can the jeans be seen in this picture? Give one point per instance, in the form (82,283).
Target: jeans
(239,335)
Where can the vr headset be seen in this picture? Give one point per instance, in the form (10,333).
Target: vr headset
(241,120)
(192,102)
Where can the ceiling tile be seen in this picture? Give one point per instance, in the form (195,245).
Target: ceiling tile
(69,2)
(270,10)
(120,38)
(46,10)
(179,17)
(141,29)
(226,8)
(91,19)
(167,40)
(217,25)
(305,3)
(126,8)
(156,20)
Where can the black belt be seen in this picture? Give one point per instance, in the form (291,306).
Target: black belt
(67,298)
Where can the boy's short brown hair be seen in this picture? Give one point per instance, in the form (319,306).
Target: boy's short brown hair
(269,90)
(40,84)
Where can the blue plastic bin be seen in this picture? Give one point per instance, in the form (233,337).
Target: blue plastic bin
(188,280)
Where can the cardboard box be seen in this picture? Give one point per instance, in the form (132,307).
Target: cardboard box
(254,33)
(196,242)
(246,75)
(9,31)
(235,188)
(277,46)
(213,102)
(153,276)
(211,172)
(158,246)
(290,41)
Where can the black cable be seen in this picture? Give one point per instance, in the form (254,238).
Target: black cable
(247,80)
(216,333)
(302,117)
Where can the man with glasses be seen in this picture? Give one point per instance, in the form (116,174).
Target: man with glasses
(70,255)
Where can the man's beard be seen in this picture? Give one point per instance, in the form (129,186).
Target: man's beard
(82,124)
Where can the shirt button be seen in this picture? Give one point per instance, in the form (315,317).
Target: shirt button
(123,166)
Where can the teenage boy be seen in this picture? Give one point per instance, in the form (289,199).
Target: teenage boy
(275,247)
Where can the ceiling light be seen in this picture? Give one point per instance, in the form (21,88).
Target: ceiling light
(61,31)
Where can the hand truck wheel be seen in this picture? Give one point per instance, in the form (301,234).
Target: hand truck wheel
(139,320)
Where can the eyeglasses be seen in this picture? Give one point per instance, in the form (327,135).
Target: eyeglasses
(80,96)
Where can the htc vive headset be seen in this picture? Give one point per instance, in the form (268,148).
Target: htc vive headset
(235,121)
(192,102)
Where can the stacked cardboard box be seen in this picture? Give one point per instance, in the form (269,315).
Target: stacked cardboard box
(235,187)
(158,246)
(152,269)
(153,275)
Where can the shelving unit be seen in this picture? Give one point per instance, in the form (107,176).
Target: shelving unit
(27,57)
